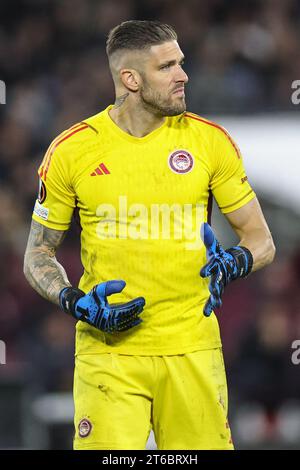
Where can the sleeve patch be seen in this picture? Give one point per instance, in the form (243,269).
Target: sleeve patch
(41,211)
(42,192)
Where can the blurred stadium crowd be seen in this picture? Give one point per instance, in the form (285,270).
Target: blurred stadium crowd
(241,57)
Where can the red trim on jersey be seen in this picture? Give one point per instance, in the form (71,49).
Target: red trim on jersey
(218,127)
(51,145)
(55,145)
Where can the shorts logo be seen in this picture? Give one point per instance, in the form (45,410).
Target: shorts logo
(84,427)
(181,161)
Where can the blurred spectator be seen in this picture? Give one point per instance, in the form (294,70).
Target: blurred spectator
(49,352)
(263,359)
(262,376)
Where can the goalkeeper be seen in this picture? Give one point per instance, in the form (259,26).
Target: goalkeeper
(148,353)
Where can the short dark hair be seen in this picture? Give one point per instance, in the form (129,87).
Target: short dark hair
(138,35)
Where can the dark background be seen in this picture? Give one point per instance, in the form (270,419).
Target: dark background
(241,58)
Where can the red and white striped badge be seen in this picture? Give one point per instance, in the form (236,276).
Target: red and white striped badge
(181,161)
(84,427)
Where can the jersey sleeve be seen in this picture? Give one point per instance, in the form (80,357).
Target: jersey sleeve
(229,182)
(56,199)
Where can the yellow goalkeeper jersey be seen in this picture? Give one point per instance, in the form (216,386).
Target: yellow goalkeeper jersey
(141,203)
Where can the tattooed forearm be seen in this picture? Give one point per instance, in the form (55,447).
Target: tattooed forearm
(120,100)
(41,269)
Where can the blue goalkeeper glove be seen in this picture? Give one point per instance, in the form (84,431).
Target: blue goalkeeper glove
(93,308)
(223,267)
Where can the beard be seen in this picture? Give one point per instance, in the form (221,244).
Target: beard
(161,105)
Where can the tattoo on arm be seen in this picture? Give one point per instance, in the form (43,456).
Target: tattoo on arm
(120,100)
(41,269)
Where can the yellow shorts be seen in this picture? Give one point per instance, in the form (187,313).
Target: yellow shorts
(119,398)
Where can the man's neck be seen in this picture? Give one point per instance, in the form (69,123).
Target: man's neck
(132,118)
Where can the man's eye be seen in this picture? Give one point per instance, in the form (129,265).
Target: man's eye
(165,67)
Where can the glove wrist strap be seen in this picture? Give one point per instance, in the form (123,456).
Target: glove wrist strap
(68,298)
(243,258)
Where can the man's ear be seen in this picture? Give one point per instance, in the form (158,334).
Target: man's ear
(130,79)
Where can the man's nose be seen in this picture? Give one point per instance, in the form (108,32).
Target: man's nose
(181,76)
